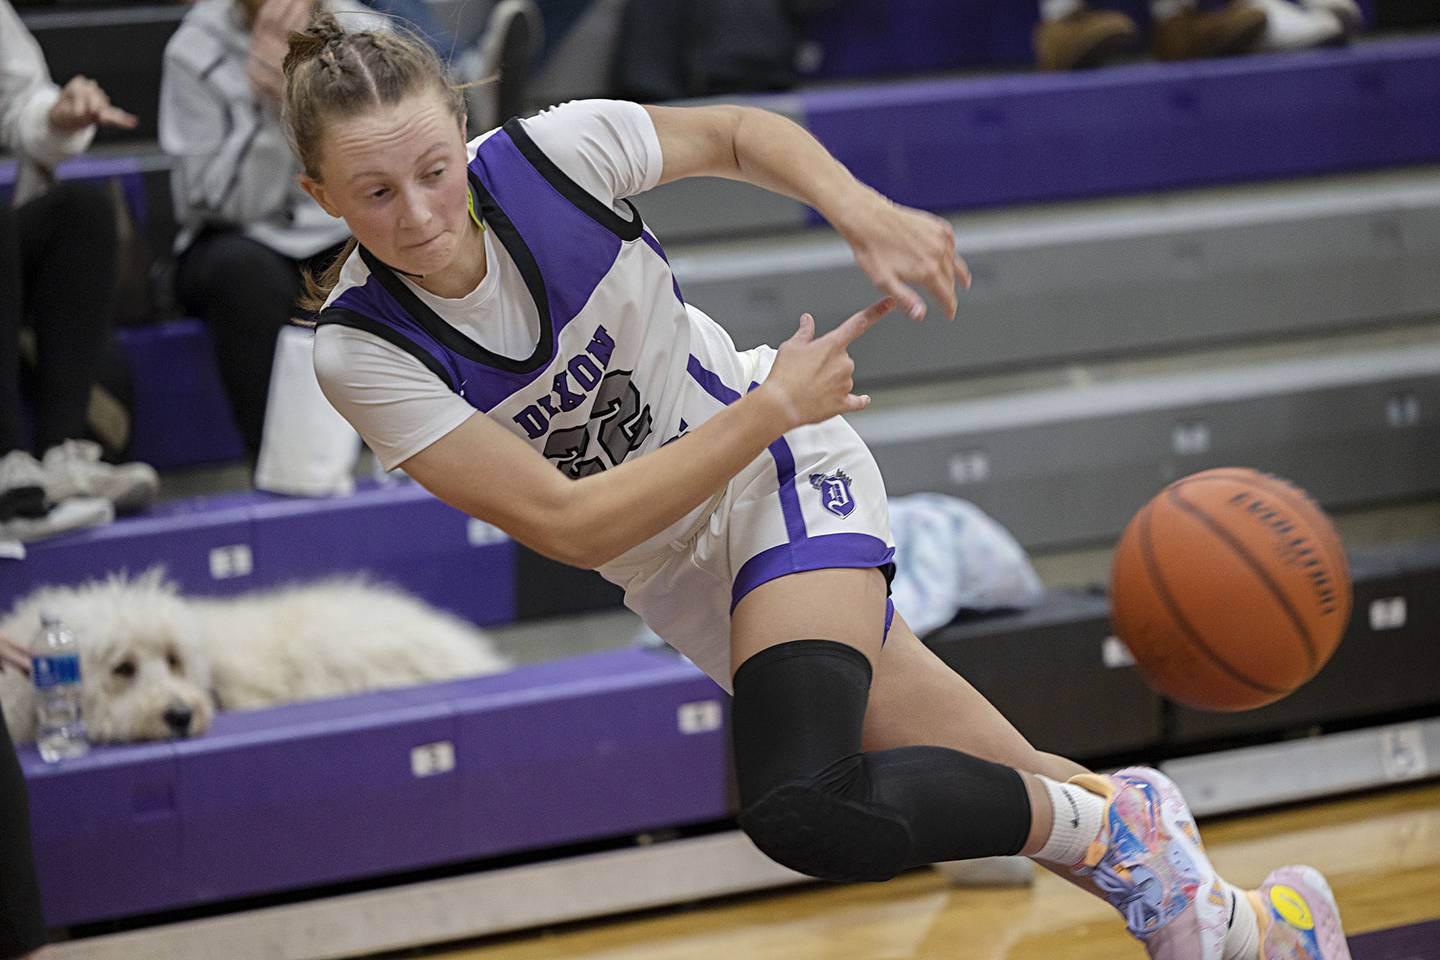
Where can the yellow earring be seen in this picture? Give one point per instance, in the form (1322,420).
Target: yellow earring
(470,202)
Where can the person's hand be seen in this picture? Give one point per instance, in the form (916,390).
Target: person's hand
(13,655)
(812,376)
(270,41)
(82,103)
(897,246)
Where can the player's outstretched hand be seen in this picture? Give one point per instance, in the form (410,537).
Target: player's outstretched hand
(814,376)
(897,246)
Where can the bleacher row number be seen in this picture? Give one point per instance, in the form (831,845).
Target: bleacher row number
(969,466)
(1402,410)
(430,759)
(1387,613)
(229,562)
(1190,438)
(701,716)
(1402,752)
(1115,655)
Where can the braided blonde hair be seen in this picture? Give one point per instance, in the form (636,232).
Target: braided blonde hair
(332,74)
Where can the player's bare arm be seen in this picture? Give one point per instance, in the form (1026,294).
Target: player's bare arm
(895,245)
(488,472)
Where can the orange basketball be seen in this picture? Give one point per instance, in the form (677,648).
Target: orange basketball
(1230,588)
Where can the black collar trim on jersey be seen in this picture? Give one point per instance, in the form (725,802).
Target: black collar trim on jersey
(358,321)
(447,335)
(600,212)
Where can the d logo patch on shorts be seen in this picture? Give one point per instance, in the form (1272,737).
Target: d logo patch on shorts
(834,492)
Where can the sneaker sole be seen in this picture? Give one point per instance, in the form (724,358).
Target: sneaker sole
(1312,886)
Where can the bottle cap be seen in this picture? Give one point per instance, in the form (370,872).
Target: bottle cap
(48,619)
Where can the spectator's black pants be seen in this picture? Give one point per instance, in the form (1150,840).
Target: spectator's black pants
(22,925)
(246,292)
(57,276)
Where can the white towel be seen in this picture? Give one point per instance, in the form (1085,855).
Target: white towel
(307,449)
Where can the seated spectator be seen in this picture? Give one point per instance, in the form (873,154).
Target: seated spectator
(247,230)
(1071,35)
(58,253)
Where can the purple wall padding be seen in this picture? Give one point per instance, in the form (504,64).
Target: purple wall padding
(580,749)
(876,38)
(181,415)
(399,533)
(886,38)
(961,144)
(224,545)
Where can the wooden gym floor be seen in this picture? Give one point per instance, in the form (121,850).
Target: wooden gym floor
(1381,853)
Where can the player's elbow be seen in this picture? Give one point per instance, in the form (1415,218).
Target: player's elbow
(572,535)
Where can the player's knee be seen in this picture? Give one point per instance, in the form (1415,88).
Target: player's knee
(820,826)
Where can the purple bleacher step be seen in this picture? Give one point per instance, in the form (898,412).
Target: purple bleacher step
(582,749)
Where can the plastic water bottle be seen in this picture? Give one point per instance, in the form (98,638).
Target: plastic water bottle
(55,668)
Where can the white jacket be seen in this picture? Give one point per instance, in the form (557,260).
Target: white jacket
(26,95)
(232,165)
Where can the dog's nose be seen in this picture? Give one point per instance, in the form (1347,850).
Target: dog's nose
(178,720)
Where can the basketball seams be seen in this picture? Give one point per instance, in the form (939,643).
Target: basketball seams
(1257,568)
(1291,496)
(1162,591)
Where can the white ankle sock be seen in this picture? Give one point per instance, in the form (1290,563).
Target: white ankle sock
(1055,9)
(1078,815)
(1243,940)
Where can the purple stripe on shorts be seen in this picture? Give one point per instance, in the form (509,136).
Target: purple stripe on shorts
(889,619)
(789,499)
(828,551)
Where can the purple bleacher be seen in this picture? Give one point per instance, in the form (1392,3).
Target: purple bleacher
(397,532)
(227,544)
(181,415)
(856,39)
(198,541)
(967,143)
(587,748)
(123,167)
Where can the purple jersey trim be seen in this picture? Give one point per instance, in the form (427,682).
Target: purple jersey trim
(654,244)
(828,551)
(710,382)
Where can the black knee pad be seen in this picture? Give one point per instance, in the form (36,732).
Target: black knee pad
(812,801)
(825,826)
(805,790)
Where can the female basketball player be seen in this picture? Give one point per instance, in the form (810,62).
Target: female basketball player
(721,488)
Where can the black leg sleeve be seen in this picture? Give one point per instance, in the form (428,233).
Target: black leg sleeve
(813,801)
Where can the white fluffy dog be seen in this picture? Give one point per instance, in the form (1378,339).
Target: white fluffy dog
(153,663)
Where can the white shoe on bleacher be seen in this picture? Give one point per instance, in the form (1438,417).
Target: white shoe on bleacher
(1346,11)
(1289,26)
(71,514)
(74,469)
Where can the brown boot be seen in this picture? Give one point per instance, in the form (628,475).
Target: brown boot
(1191,34)
(1084,38)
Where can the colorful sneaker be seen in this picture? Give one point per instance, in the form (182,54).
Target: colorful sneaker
(1298,917)
(1149,864)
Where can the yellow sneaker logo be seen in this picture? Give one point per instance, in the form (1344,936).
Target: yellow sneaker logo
(1290,905)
